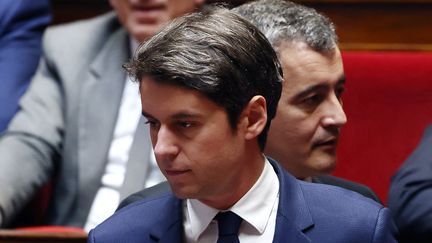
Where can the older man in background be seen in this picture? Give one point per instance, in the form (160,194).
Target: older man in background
(79,123)
(305,132)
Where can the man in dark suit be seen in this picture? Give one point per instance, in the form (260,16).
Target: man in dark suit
(304,134)
(21,27)
(209,84)
(410,193)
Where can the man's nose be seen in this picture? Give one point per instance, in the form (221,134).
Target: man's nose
(334,114)
(166,146)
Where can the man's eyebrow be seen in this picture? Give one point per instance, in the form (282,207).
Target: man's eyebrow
(309,90)
(341,81)
(146,115)
(179,115)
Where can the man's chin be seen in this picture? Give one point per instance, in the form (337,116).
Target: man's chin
(183,192)
(323,164)
(325,167)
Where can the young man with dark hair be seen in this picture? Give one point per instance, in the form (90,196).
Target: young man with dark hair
(209,84)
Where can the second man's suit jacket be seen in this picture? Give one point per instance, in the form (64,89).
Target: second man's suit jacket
(66,120)
(410,195)
(307,212)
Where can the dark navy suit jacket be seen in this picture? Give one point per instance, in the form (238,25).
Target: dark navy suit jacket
(21,27)
(410,196)
(307,212)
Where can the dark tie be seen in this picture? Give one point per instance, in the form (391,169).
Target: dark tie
(228,224)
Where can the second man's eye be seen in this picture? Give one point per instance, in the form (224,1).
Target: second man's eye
(339,91)
(313,100)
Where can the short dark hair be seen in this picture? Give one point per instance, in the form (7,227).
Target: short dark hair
(217,53)
(285,21)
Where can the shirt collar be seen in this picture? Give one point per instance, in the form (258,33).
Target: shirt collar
(257,204)
(200,216)
(255,207)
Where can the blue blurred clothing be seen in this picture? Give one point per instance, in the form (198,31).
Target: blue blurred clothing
(410,193)
(22,23)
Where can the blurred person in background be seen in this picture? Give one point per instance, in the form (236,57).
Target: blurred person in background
(22,24)
(79,122)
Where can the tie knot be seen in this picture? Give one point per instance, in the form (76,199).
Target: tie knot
(228,223)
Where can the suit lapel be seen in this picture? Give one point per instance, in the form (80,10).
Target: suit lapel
(293,217)
(100,99)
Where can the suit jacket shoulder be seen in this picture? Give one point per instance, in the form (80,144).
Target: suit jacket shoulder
(359,219)
(350,185)
(154,191)
(325,213)
(84,38)
(154,219)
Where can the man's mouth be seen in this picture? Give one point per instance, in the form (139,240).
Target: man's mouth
(175,172)
(328,142)
(147,12)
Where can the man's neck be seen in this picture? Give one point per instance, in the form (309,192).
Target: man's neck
(244,183)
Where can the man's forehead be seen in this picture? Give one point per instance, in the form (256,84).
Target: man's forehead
(303,62)
(168,100)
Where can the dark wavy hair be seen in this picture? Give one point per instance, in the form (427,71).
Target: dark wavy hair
(217,53)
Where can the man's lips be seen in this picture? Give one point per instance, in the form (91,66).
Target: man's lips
(175,172)
(147,12)
(327,142)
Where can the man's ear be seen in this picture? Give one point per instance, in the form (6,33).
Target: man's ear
(254,117)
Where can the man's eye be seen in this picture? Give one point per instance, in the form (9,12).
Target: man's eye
(313,100)
(339,91)
(152,123)
(184,124)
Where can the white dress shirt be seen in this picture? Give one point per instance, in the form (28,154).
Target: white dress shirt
(258,209)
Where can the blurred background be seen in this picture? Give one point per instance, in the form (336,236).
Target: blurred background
(361,24)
